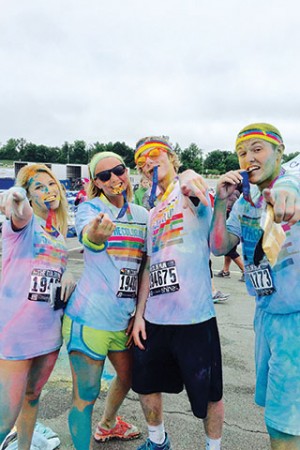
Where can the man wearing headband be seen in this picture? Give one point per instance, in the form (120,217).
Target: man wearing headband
(270,201)
(175,329)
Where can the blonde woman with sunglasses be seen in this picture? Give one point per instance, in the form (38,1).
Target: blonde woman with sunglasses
(33,263)
(99,314)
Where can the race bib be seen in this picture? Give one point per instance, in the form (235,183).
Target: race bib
(261,278)
(127,283)
(42,285)
(163,278)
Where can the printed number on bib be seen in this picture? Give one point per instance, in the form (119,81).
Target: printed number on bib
(163,278)
(261,278)
(42,283)
(127,283)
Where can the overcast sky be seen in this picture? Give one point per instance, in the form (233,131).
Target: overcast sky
(118,70)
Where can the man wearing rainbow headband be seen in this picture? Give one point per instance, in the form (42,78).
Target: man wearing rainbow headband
(266,221)
(175,329)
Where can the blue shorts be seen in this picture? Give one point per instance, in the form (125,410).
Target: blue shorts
(277,357)
(94,343)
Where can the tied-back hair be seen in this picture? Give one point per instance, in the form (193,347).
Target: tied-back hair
(23,180)
(94,191)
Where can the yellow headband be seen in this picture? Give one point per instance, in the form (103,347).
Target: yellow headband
(262,131)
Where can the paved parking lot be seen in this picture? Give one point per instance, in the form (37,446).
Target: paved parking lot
(244,424)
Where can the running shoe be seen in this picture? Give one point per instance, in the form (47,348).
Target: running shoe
(122,430)
(149,445)
(242,277)
(219,297)
(10,440)
(223,274)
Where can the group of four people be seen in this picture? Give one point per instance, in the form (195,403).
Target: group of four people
(146,279)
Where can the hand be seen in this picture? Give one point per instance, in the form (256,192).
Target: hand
(228,183)
(193,185)
(68,285)
(139,330)
(285,202)
(129,332)
(100,228)
(13,201)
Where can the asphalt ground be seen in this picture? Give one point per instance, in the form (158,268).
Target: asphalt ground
(244,423)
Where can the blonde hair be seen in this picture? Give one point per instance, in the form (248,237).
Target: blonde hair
(93,190)
(23,180)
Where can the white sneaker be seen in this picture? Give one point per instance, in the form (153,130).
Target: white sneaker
(219,297)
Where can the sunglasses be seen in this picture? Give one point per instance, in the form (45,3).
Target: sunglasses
(105,175)
(153,153)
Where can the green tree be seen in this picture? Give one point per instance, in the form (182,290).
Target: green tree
(192,158)
(289,156)
(10,149)
(231,161)
(219,162)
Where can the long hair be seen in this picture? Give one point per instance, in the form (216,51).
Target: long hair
(22,180)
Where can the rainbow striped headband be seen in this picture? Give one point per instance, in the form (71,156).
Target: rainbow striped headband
(146,145)
(259,133)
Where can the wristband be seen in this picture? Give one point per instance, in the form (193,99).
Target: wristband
(91,245)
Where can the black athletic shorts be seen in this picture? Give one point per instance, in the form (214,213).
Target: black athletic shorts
(233,253)
(178,356)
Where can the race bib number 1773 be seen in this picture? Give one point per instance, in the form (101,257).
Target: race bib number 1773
(163,278)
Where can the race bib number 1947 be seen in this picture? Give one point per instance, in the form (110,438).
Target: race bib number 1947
(163,278)
(41,285)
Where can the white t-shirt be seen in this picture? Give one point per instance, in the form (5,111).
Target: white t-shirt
(32,260)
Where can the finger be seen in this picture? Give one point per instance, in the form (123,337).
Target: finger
(268,196)
(63,293)
(290,204)
(129,341)
(138,343)
(97,221)
(279,207)
(19,196)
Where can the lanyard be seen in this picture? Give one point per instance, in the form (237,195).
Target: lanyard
(246,188)
(169,189)
(124,210)
(152,197)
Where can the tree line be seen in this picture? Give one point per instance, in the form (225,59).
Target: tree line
(215,162)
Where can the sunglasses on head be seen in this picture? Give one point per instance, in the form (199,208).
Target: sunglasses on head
(153,153)
(105,175)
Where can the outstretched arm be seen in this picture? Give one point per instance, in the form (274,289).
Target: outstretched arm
(284,197)
(193,185)
(15,205)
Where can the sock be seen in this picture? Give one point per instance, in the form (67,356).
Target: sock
(157,433)
(213,444)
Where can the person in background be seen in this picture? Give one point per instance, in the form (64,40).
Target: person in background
(175,328)
(33,267)
(233,255)
(271,197)
(82,194)
(140,192)
(98,318)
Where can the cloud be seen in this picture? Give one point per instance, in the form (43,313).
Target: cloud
(108,71)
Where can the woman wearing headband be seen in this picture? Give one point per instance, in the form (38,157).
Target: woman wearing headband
(96,325)
(34,259)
